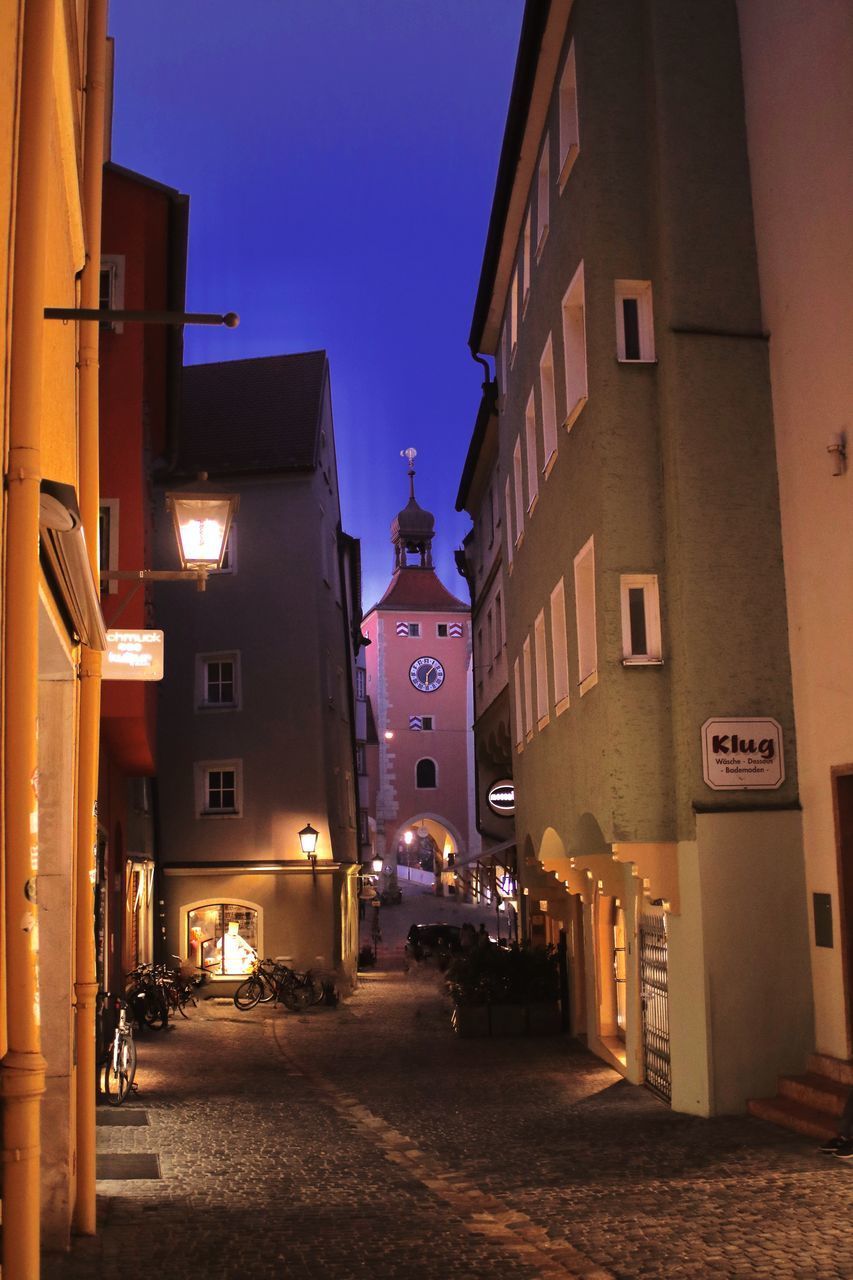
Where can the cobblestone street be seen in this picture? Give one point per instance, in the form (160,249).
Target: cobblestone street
(368,1141)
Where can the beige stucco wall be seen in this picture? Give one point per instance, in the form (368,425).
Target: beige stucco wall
(798,83)
(739,986)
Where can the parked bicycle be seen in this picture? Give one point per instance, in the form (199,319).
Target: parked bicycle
(271,980)
(155,991)
(118,1065)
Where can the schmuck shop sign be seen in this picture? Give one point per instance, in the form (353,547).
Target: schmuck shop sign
(743,755)
(133,655)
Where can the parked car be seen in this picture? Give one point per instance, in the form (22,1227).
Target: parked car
(433,941)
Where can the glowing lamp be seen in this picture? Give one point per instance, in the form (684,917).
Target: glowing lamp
(202,518)
(308,842)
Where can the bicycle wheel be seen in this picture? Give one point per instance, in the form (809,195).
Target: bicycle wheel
(155,1011)
(296,996)
(270,988)
(249,993)
(119,1071)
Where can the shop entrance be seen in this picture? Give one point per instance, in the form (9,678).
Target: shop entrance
(844,818)
(654,991)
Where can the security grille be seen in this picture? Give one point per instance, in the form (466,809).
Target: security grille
(655,997)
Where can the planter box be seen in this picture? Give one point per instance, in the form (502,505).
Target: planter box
(470,1020)
(544,1019)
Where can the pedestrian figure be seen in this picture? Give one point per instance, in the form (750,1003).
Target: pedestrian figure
(842,1144)
(483,935)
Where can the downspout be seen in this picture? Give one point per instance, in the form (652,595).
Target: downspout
(86,983)
(22,1077)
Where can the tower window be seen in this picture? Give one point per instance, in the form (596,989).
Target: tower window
(426,774)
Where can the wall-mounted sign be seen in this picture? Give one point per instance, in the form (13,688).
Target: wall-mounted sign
(501,797)
(133,655)
(743,755)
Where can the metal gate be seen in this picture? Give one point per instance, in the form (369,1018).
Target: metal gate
(655,997)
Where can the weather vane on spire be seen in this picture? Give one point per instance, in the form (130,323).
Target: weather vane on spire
(410,455)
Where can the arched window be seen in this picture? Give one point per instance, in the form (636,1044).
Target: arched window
(426,774)
(222,938)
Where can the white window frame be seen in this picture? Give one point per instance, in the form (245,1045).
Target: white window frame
(202,661)
(113,509)
(527,666)
(547,387)
(203,770)
(574,347)
(509,539)
(641,292)
(519,710)
(541,654)
(434,764)
(543,197)
(513,317)
(504,366)
(519,493)
(414,630)
(584,567)
(648,584)
(568,112)
(530,445)
(526,259)
(114,263)
(230,552)
(560,648)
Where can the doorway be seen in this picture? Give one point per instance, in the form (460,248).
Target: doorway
(654,993)
(843,787)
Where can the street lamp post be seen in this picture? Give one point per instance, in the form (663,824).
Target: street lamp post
(308,841)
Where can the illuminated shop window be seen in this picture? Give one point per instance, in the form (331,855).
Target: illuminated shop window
(222,938)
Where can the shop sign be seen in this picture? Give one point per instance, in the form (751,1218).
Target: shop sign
(501,798)
(133,655)
(741,754)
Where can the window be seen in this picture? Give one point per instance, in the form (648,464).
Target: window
(219,788)
(217,680)
(490,513)
(508,508)
(499,625)
(543,199)
(641,638)
(360,759)
(569,137)
(635,333)
(441,630)
(526,262)
(519,496)
(513,316)
(223,938)
(559,647)
(528,690)
(427,723)
(574,347)
(530,439)
(360,683)
(585,607)
(111,289)
(426,774)
(108,540)
(229,559)
(541,671)
(408,629)
(519,722)
(549,406)
(490,637)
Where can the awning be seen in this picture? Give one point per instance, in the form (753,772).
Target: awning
(484,855)
(63,545)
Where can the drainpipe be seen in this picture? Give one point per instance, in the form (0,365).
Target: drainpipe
(86,983)
(22,1077)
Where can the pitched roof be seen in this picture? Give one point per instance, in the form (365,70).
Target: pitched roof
(414,588)
(252,415)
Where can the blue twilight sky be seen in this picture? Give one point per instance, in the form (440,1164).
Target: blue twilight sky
(340,158)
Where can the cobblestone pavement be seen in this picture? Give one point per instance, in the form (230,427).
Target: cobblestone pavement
(368,1141)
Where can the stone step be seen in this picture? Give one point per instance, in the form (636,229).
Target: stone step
(816,1091)
(839,1069)
(794,1115)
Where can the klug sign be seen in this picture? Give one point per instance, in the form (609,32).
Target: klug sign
(501,798)
(743,755)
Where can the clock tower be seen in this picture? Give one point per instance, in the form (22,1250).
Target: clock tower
(419,688)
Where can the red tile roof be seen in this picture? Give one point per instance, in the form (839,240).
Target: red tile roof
(414,588)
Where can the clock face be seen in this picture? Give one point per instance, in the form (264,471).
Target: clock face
(426,674)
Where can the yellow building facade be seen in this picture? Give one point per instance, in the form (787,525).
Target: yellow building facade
(52,72)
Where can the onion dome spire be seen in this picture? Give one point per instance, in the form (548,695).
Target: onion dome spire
(412,529)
